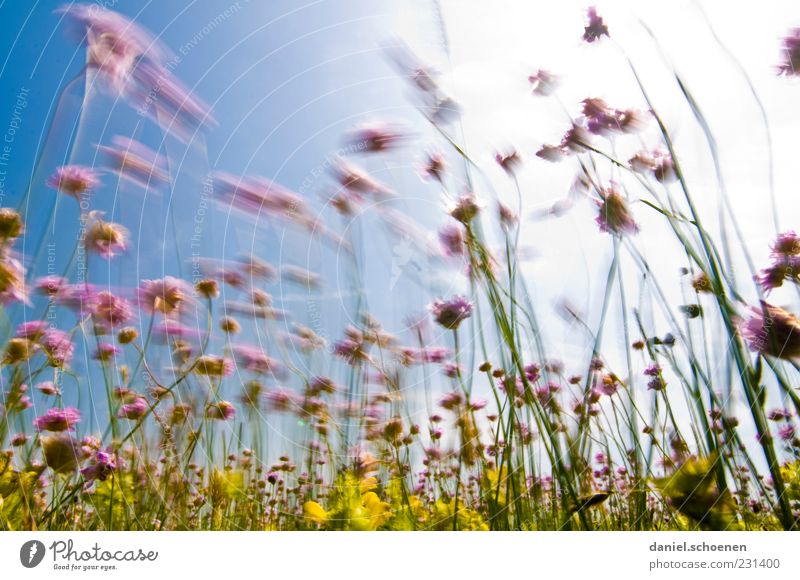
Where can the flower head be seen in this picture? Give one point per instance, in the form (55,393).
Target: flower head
(100,466)
(595,28)
(58,346)
(614,216)
(58,420)
(773,331)
(223,411)
(166,295)
(543,82)
(111,311)
(105,238)
(451,313)
(134,410)
(74,180)
(791,54)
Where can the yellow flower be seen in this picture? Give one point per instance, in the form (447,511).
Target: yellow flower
(315,512)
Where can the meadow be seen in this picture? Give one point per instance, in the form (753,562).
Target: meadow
(201,403)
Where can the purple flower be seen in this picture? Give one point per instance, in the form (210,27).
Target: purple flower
(773,331)
(58,420)
(74,180)
(434,167)
(509,161)
(595,28)
(791,53)
(451,313)
(48,388)
(786,433)
(134,410)
(451,401)
(350,350)
(101,465)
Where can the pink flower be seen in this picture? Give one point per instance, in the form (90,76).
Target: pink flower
(105,238)
(465,208)
(451,313)
(58,420)
(773,331)
(434,167)
(74,180)
(111,311)
(32,330)
(254,359)
(595,29)
(58,346)
(452,238)
(543,82)
(106,351)
(134,410)
(510,161)
(375,137)
(135,162)
(166,295)
(223,411)
(12,281)
(614,216)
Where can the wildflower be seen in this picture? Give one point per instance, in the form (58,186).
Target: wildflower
(100,466)
(166,295)
(213,366)
(595,28)
(787,244)
(11,226)
(18,350)
(50,285)
(32,330)
(48,388)
(281,400)
(614,216)
(451,237)
(451,370)
(61,452)
(74,180)
(106,351)
(223,411)
(58,420)
(375,137)
(110,310)
(19,439)
(301,276)
(207,288)
(254,360)
(135,162)
(350,350)
(127,335)
(451,401)
(451,313)
(543,82)
(465,208)
(434,167)
(357,182)
(12,281)
(134,410)
(575,139)
(791,53)
(773,331)
(786,433)
(509,161)
(105,238)
(229,325)
(58,346)
(552,153)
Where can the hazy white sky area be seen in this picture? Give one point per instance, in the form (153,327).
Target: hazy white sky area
(494,46)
